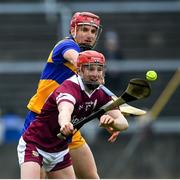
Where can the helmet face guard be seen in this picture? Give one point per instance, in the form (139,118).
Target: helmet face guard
(86,18)
(88,59)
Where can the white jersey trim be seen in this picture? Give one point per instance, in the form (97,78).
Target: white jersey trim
(77,79)
(65,96)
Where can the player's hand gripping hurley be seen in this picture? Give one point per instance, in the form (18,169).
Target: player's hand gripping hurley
(137,89)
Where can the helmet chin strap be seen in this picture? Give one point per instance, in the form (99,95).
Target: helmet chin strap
(90,85)
(84,47)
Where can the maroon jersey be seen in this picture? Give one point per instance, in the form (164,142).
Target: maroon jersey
(44,129)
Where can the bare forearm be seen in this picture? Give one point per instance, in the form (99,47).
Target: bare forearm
(71,55)
(120,124)
(117,121)
(64,118)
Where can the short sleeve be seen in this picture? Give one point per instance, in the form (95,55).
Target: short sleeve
(61,48)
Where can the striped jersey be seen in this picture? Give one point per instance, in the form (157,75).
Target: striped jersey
(56,70)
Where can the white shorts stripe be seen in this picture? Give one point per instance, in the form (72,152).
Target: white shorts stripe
(21,150)
(49,161)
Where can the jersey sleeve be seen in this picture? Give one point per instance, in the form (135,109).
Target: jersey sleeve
(66,92)
(61,48)
(65,97)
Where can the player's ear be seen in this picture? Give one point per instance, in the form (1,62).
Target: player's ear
(72,32)
(78,70)
(102,80)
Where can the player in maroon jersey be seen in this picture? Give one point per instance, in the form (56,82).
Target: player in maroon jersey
(75,99)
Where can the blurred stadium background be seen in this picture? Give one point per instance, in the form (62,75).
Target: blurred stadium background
(148,34)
